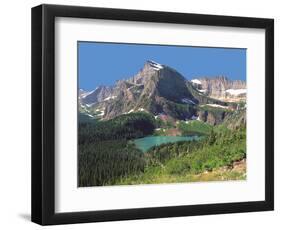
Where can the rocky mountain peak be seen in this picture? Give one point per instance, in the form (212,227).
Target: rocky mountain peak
(221,87)
(154,65)
(150,69)
(96,95)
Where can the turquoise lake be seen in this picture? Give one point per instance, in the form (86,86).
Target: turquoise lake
(146,143)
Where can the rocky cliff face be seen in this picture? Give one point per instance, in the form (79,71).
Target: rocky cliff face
(97,95)
(211,117)
(156,89)
(221,88)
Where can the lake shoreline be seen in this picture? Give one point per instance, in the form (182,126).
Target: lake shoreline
(146,143)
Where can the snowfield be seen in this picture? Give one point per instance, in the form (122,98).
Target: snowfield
(155,65)
(202,90)
(101,113)
(89,105)
(89,115)
(218,106)
(186,100)
(109,98)
(236,91)
(85,94)
(196,81)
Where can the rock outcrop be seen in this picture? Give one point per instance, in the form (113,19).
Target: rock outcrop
(221,88)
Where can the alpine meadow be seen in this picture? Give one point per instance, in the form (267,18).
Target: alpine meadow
(150,114)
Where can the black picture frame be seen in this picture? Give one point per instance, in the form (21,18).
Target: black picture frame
(43,114)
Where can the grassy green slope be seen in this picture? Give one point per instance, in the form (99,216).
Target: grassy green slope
(183,162)
(194,127)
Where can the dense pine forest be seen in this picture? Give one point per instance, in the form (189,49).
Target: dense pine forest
(105,154)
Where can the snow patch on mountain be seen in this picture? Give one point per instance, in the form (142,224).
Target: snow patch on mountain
(196,81)
(202,90)
(218,106)
(101,112)
(85,93)
(236,91)
(89,115)
(109,98)
(188,101)
(155,65)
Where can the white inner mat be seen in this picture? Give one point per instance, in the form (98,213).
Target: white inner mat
(70,198)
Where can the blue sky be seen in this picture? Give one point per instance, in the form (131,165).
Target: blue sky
(104,63)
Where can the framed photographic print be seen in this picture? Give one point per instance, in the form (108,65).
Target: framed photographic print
(143,114)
